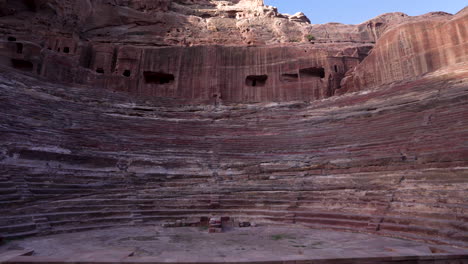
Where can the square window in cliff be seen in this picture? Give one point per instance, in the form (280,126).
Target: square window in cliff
(158,77)
(100,70)
(39,68)
(31,5)
(231,14)
(66,50)
(127,73)
(313,72)
(19,48)
(23,65)
(256,80)
(290,77)
(205,16)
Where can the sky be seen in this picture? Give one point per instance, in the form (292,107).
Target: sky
(358,11)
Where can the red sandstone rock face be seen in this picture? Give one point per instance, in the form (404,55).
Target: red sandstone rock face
(367,32)
(200,74)
(411,50)
(208,73)
(390,160)
(79,50)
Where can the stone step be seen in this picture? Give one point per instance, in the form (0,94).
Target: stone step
(81,228)
(87,221)
(17,235)
(18,228)
(422,237)
(332,222)
(6,191)
(423,230)
(10,254)
(7,198)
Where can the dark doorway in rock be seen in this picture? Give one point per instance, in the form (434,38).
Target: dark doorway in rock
(100,70)
(39,68)
(205,16)
(19,48)
(336,68)
(312,72)
(231,14)
(289,77)
(31,5)
(11,39)
(256,80)
(127,73)
(158,77)
(23,65)
(66,50)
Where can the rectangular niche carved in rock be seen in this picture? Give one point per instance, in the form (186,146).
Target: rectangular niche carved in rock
(23,65)
(19,48)
(256,80)
(289,77)
(31,5)
(158,77)
(313,72)
(127,73)
(231,14)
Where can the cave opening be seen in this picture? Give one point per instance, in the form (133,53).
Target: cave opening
(23,65)
(336,68)
(256,80)
(231,14)
(31,5)
(100,70)
(206,16)
(312,72)
(158,77)
(289,77)
(66,50)
(19,48)
(127,73)
(39,68)
(11,39)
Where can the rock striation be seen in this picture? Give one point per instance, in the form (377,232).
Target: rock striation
(411,50)
(131,112)
(238,51)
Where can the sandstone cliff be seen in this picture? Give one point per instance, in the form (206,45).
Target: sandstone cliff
(411,50)
(134,46)
(122,112)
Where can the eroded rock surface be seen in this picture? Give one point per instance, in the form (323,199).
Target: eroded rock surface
(128,112)
(391,161)
(229,51)
(411,50)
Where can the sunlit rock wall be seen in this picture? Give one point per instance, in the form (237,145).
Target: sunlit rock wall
(411,50)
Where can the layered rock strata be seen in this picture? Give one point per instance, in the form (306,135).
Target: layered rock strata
(411,50)
(78,49)
(391,161)
(131,112)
